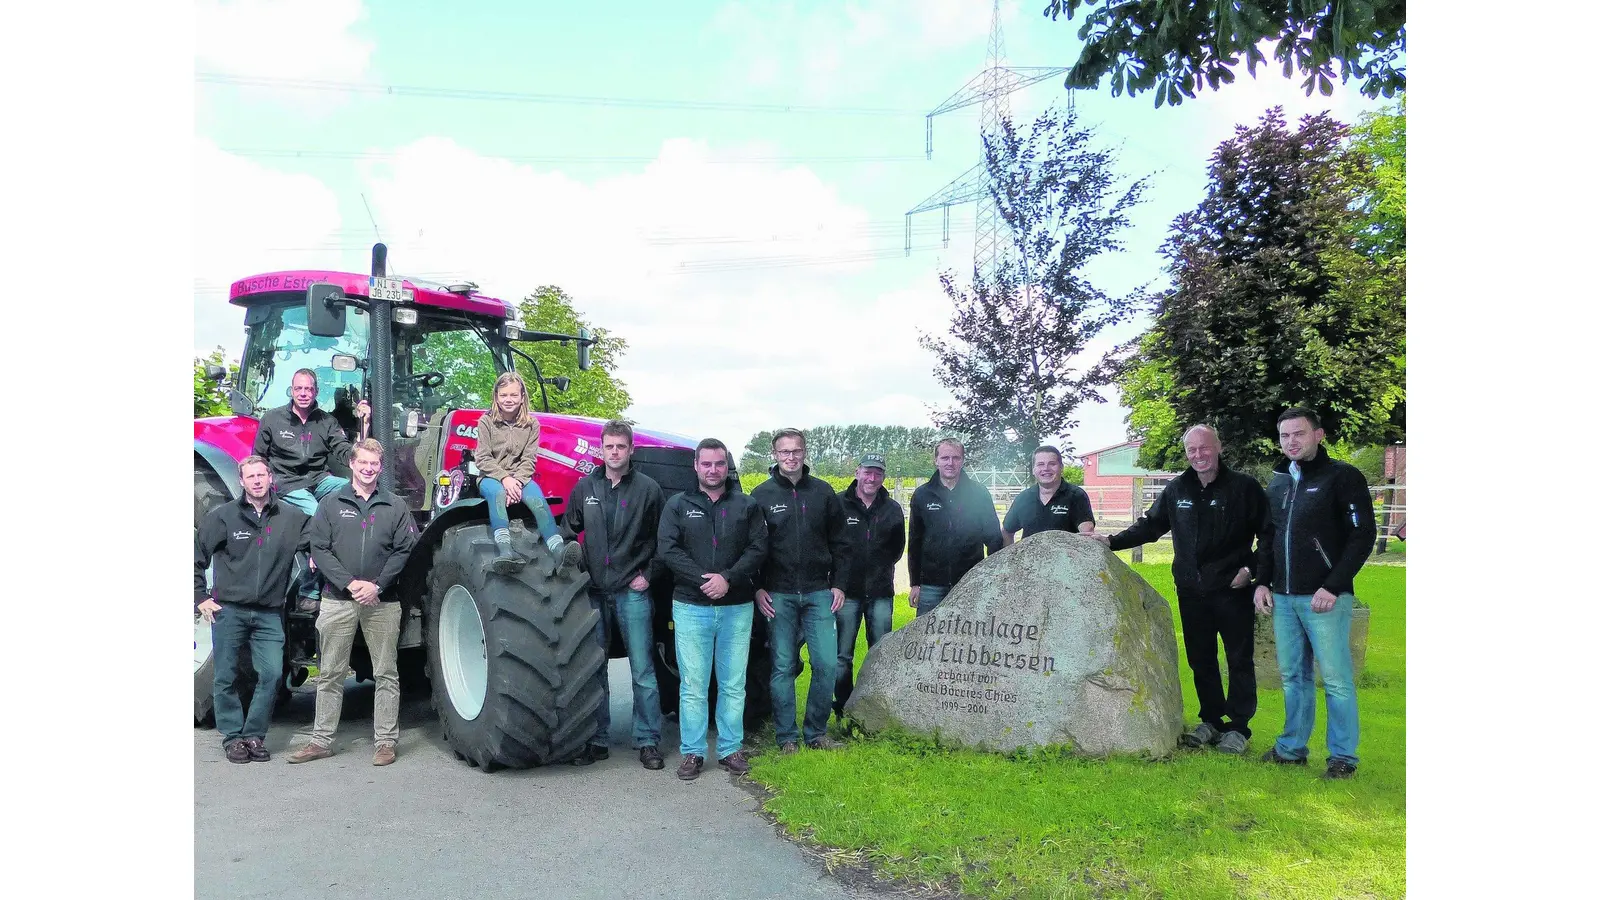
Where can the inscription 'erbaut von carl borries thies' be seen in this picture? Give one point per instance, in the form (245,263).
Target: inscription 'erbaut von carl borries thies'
(1053,641)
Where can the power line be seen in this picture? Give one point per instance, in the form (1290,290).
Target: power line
(445,93)
(286,153)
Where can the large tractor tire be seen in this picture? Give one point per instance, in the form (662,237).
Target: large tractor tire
(515,662)
(209,493)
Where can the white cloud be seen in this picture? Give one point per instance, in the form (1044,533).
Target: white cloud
(282,38)
(734,284)
(248,220)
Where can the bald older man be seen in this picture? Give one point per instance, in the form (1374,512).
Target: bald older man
(1215,515)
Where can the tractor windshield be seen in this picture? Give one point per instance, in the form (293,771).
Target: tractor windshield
(278,344)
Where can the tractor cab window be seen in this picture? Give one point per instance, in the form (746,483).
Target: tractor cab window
(277,344)
(443,364)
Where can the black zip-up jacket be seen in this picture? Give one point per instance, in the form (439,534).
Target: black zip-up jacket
(618,524)
(727,537)
(876,536)
(806,547)
(253,553)
(1319,532)
(368,540)
(1214,527)
(949,530)
(299,453)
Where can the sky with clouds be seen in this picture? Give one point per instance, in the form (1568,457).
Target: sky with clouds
(722,183)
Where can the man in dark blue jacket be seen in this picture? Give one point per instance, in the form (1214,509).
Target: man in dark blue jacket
(1321,532)
(801,587)
(1215,515)
(250,545)
(875,531)
(953,521)
(713,540)
(361,538)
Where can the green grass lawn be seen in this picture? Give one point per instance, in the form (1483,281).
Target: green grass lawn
(1200,824)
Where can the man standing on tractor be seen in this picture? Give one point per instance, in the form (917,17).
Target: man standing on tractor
(713,540)
(1055,505)
(360,538)
(952,522)
(801,587)
(299,440)
(1215,515)
(508,446)
(875,531)
(618,510)
(252,542)
(1320,534)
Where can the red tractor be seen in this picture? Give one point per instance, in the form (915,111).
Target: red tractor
(513,662)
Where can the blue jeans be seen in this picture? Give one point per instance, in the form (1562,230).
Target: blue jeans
(494,496)
(1301,634)
(879,613)
(233,628)
(707,635)
(930,597)
(792,614)
(306,500)
(632,612)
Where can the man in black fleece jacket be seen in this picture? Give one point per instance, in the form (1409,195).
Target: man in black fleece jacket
(713,540)
(953,521)
(1215,515)
(801,587)
(361,538)
(1320,534)
(618,511)
(250,544)
(875,530)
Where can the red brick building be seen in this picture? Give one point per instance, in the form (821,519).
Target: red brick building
(1108,477)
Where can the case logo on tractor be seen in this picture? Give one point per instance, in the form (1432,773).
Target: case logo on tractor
(467,431)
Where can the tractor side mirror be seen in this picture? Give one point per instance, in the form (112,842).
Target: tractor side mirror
(561,383)
(216,373)
(325,306)
(584,342)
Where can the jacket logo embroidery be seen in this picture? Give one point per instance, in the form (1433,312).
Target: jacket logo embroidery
(1185,504)
(778,508)
(1312,490)
(592,501)
(286,435)
(852,520)
(1060,510)
(347,514)
(933,507)
(242,535)
(694,514)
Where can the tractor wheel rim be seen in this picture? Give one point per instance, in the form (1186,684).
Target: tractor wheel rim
(463,652)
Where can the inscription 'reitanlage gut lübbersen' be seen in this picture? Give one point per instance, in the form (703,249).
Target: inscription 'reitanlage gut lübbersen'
(970,688)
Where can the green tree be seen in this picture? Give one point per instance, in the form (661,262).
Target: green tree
(1275,302)
(210,398)
(1147,389)
(1177,47)
(834,451)
(1013,356)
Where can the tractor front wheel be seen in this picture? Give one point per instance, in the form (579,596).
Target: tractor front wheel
(514,661)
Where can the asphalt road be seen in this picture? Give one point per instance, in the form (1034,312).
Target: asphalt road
(432,827)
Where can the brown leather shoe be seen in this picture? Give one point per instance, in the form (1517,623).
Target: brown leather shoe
(735,762)
(824,743)
(789,747)
(237,751)
(650,758)
(690,768)
(258,750)
(384,755)
(308,753)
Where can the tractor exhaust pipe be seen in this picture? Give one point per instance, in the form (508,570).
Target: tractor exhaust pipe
(380,351)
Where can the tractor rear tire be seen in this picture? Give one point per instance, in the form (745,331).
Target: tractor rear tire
(209,493)
(515,661)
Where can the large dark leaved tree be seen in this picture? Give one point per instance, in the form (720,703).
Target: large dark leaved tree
(1278,298)
(1015,357)
(1176,47)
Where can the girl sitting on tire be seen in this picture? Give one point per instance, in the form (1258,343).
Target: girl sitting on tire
(508,444)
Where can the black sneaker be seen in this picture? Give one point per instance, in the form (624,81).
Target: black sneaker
(1272,756)
(591,754)
(1338,768)
(650,758)
(1204,735)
